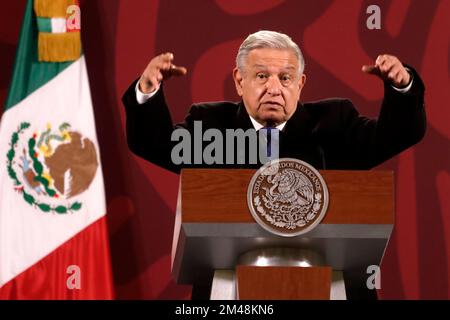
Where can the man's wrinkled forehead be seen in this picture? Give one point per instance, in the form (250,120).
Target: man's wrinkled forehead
(267,56)
(263,67)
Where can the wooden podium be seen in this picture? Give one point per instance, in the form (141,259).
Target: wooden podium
(216,237)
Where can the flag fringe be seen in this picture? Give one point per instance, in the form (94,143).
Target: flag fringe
(59,47)
(52,8)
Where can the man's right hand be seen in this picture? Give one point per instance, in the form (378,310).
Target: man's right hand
(160,68)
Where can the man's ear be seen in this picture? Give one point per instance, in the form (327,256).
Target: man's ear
(237,76)
(301,84)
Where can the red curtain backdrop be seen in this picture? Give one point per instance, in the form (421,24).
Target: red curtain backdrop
(124,35)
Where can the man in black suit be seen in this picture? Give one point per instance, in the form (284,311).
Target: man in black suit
(269,77)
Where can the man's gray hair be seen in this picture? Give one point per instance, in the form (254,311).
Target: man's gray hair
(268,39)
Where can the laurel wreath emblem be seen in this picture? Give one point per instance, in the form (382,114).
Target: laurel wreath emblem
(38,171)
(287,197)
(290,220)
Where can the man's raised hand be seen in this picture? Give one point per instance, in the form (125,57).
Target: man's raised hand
(160,68)
(389,68)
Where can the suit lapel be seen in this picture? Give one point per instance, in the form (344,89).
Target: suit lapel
(297,139)
(299,126)
(242,119)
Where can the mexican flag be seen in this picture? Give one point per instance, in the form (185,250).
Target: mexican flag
(53,233)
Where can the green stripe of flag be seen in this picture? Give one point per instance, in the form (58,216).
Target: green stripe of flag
(44,24)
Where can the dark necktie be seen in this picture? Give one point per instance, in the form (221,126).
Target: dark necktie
(271,134)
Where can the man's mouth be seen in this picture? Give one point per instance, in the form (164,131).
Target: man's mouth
(272,104)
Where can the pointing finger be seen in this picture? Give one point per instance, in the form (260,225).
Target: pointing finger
(178,71)
(370,69)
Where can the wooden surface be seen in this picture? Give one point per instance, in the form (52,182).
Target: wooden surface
(220,195)
(283,283)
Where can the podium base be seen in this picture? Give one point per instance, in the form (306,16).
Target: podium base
(224,286)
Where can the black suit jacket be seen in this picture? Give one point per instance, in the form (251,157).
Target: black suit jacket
(328,134)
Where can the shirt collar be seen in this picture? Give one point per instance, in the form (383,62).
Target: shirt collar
(258,125)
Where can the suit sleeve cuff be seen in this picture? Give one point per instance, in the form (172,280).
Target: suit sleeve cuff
(143,97)
(408,87)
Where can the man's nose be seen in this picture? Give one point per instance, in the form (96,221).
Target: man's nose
(273,86)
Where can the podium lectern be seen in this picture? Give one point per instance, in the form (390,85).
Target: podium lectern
(215,236)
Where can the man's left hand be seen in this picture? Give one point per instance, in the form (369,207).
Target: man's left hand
(389,68)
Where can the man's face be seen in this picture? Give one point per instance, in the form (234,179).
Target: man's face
(270,85)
